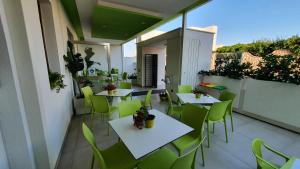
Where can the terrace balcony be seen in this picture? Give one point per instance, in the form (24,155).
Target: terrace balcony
(64,77)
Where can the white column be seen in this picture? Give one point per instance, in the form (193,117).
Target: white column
(183,30)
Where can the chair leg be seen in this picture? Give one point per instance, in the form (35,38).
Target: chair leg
(225,126)
(92,164)
(231,121)
(92,121)
(208,139)
(214,128)
(107,128)
(202,152)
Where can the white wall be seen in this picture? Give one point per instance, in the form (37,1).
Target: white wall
(197,51)
(47,113)
(100,55)
(161,60)
(273,102)
(116,57)
(3,157)
(57,106)
(129,65)
(15,144)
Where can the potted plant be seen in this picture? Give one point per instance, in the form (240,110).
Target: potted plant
(139,119)
(110,87)
(56,81)
(143,118)
(197,93)
(149,118)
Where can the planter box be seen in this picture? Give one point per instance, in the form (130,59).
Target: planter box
(79,106)
(276,101)
(232,85)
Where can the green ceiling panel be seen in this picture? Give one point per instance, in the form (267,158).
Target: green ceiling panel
(111,23)
(70,8)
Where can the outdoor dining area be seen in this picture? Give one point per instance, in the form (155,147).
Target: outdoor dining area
(149,133)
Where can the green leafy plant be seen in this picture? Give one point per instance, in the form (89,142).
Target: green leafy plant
(265,47)
(74,61)
(279,68)
(56,81)
(229,67)
(89,54)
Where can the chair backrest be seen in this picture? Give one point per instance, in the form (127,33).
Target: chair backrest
(226,96)
(125,85)
(194,116)
(218,110)
(100,104)
(91,140)
(148,98)
(87,92)
(170,107)
(185,89)
(257,151)
(127,108)
(124,76)
(186,161)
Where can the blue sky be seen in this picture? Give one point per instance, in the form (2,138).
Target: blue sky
(245,21)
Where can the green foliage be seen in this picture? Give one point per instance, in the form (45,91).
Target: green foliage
(272,68)
(265,47)
(74,61)
(279,68)
(230,67)
(56,81)
(89,54)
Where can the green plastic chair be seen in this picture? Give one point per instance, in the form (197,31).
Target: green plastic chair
(87,92)
(166,159)
(226,96)
(147,102)
(127,108)
(185,89)
(193,116)
(174,111)
(115,157)
(126,85)
(124,76)
(257,145)
(102,109)
(216,114)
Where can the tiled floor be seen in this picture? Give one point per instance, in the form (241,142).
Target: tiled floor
(236,154)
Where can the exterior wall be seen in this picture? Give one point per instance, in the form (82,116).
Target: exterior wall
(99,56)
(116,57)
(57,106)
(3,157)
(129,65)
(197,52)
(232,85)
(274,102)
(46,112)
(161,59)
(12,114)
(173,70)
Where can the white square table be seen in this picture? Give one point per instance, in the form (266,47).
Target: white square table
(141,142)
(190,98)
(117,93)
